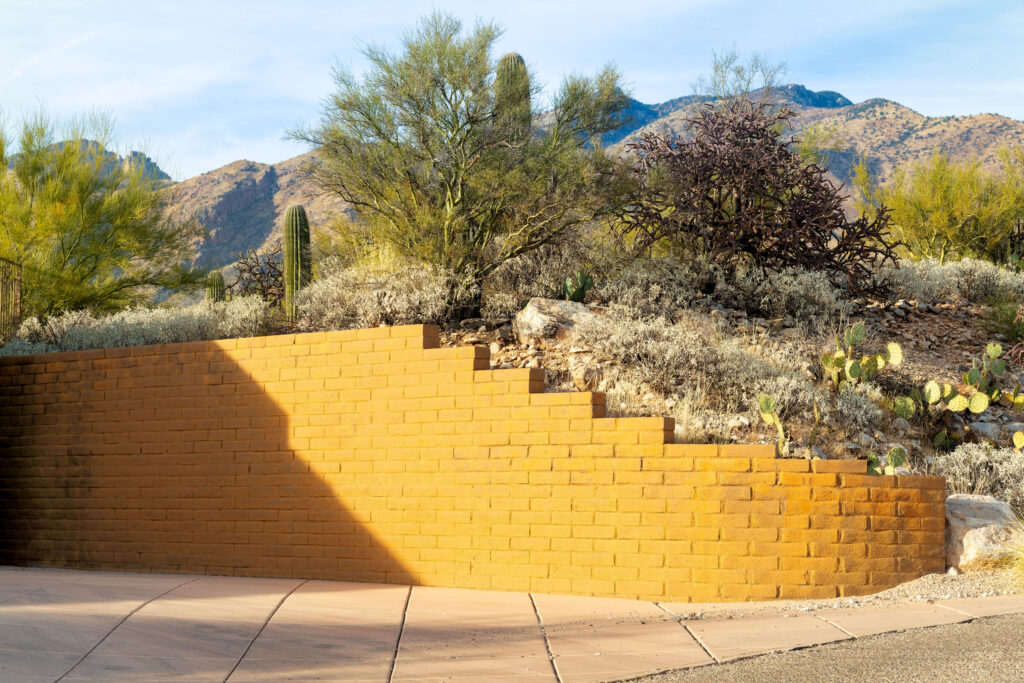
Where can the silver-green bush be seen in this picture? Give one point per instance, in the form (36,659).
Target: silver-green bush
(79,330)
(649,287)
(986,470)
(972,279)
(670,358)
(359,297)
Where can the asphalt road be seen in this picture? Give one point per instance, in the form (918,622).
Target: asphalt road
(990,649)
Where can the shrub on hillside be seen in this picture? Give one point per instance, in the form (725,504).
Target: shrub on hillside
(650,287)
(804,296)
(737,193)
(79,330)
(971,279)
(671,358)
(358,297)
(986,470)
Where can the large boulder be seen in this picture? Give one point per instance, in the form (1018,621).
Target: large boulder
(977,530)
(548,319)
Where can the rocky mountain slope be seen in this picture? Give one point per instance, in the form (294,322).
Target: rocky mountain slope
(241,204)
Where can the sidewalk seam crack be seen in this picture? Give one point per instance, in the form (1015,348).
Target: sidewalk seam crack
(263,627)
(118,625)
(700,642)
(401,632)
(834,625)
(547,643)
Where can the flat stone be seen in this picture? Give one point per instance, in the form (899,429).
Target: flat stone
(871,620)
(732,638)
(986,430)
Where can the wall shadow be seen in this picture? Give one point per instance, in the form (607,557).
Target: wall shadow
(170,459)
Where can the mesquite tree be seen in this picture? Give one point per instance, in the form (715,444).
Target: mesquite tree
(737,193)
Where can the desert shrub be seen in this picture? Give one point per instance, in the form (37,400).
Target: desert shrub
(984,469)
(804,296)
(858,407)
(971,279)
(359,297)
(736,193)
(669,358)
(79,330)
(650,287)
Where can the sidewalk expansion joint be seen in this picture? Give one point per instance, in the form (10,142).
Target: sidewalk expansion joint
(264,626)
(401,631)
(689,630)
(118,624)
(833,624)
(547,643)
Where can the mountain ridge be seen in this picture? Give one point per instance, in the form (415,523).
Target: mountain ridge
(241,203)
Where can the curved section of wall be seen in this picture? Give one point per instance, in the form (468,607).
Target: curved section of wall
(374,455)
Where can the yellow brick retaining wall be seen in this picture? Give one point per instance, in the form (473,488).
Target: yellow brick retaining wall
(374,455)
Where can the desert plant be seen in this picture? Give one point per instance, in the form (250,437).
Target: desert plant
(766,407)
(298,266)
(416,149)
(737,193)
(842,367)
(242,316)
(512,93)
(216,290)
(896,457)
(360,297)
(576,286)
(260,274)
(985,469)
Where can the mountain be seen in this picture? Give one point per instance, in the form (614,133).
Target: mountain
(241,204)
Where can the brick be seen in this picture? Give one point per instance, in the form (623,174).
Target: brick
(376,455)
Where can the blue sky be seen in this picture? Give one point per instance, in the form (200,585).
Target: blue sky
(201,84)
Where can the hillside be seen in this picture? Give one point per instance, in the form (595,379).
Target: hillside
(241,204)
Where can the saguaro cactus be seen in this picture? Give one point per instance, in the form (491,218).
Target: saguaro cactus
(512,91)
(298,262)
(215,288)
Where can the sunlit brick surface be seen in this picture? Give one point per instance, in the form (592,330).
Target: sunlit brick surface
(374,455)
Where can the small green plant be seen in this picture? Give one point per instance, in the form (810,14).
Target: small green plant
(843,367)
(576,286)
(766,406)
(216,290)
(896,457)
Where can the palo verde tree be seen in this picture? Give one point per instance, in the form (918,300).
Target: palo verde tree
(89,228)
(433,148)
(945,210)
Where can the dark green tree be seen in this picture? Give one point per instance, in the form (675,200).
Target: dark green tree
(421,148)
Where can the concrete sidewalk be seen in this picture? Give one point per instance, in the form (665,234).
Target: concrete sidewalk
(60,625)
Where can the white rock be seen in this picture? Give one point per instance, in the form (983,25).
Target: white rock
(586,377)
(977,529)
(548,318)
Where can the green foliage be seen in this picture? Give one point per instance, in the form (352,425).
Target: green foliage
(896,457)
(577,286)
(843,367)
(512,93)
(931,400)
(945,210)
(90,230)
(766,406)
(419,151)
(298,266)
(216,290)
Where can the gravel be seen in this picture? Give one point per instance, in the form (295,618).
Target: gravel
(931,587)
